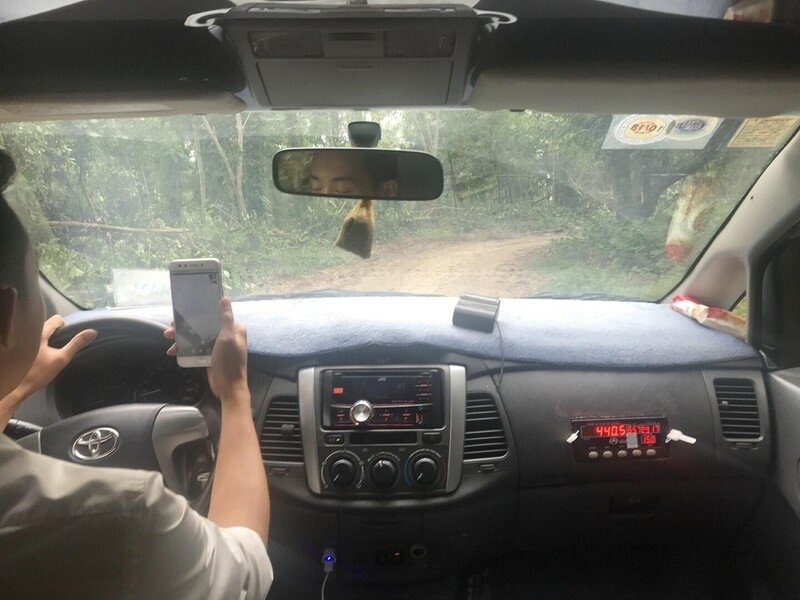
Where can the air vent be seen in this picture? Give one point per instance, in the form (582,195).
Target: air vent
(280,434)
(351,36)
(738,409)
(484,436)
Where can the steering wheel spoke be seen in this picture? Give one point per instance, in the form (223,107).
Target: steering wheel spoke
(173,440)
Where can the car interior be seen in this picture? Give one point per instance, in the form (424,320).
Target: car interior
(467,443)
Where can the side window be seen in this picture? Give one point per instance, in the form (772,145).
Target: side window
(740,308)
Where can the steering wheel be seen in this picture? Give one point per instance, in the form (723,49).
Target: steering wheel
(174,440)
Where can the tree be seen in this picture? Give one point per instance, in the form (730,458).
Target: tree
(236,179)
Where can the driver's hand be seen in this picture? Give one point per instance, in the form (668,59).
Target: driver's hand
(50,361)
(227,375)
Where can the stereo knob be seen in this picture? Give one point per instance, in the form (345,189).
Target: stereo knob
(360,412)
(342,472)
(425,471)
(383,473)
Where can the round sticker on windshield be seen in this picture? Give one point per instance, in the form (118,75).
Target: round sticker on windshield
(642,129)
(687,128)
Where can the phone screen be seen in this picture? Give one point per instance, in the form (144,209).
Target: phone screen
(195,300)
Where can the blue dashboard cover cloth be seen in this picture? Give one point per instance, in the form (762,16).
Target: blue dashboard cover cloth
(570,333)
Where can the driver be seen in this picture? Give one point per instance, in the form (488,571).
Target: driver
(363,174)
(72,531)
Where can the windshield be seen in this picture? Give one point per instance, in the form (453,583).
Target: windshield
(533,202)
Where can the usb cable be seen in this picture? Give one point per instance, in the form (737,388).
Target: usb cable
(328,560)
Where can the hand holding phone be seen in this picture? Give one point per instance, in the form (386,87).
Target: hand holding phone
(196,286)
(227,374)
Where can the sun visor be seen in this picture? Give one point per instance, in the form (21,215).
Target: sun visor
(596,88)
(57,107)
(317,56)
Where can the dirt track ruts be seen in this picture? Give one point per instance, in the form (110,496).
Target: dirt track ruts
(493,267)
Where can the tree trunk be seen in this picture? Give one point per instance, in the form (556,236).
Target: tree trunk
(240,166)
(430,132)
(457,200)
(227,163)
(201,172)
(167,231)
(170,178)
(626,184)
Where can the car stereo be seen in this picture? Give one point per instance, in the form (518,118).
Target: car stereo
(386,399)
(388,431)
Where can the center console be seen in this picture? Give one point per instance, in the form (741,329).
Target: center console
(388,431)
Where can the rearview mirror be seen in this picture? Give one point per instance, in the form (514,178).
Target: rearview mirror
(360,173)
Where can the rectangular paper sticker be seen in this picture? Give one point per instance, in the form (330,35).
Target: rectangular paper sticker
(141,287)
(766,132)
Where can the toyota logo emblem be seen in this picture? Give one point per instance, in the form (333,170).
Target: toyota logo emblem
(96,443)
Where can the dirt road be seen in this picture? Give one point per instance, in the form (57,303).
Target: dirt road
(493,267)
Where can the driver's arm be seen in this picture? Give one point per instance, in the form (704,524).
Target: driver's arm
(239,496)
(224,556)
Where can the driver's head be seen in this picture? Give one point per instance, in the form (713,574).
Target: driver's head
(21,306)
(365,175)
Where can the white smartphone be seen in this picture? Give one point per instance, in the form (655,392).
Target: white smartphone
(196,285)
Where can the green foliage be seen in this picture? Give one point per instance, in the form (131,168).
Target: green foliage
(603,240)
(606,255)
(740,309)
(137,193)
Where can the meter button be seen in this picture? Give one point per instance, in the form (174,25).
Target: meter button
(636,453)
(593,454)
(608,454)
(650,452)
(622,453)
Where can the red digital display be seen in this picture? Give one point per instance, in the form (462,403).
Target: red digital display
(648,440)
(612,430)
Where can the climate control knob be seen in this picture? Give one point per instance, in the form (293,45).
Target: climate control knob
(342,472)
(383,473)
(360,411)
(424,471)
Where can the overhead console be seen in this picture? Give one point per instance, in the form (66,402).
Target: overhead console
(383,431)
(305,55)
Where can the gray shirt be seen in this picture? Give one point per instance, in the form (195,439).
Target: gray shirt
(70,531)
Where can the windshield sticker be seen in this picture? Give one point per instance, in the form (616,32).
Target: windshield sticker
(642,129)
(766,132)
(660,132)
(689,128)
(141,287)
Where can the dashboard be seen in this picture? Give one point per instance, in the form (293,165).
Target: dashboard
(415,448)
(133,372)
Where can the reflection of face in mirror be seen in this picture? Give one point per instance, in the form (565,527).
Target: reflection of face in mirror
(364,175)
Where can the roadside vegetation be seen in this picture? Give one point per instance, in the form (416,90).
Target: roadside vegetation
(137,193)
